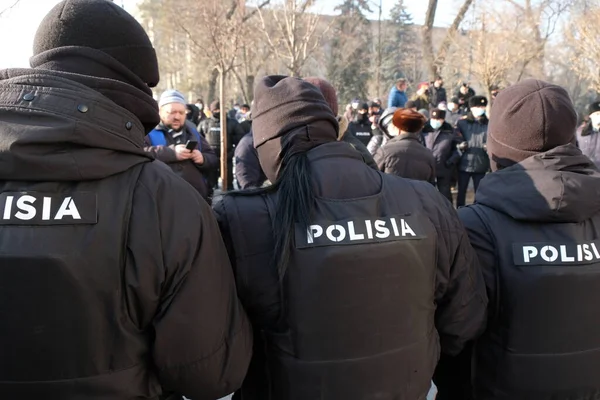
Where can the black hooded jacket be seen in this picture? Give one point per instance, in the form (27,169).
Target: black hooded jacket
(385,281)
(248,172)
(536,228)
(114,281)
(442,142)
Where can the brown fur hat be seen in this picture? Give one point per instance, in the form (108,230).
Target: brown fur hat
(408,120)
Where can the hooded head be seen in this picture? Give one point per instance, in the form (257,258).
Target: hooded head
(386,119)
(529,118)
(98,39)
(327,90)
(101,25)
(290,116)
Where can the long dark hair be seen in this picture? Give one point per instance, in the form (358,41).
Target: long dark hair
(294,205)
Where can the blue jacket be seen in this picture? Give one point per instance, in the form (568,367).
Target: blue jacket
(397,98)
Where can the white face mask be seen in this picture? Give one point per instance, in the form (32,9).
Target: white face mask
(452,107)
(595,118)
(477,111)
(435,124)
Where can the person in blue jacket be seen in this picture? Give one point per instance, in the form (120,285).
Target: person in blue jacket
(397,97)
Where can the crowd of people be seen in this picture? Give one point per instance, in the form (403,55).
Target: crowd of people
(341,270)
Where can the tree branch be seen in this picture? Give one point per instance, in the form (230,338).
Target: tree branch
(462,12)
(257,9)
(9,7)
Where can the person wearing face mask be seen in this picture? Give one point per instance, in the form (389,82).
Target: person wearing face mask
(211,129)
(453,114)
(202,115)
(439,137)
(381,134)
(361,127)
(588,134)
(474,162)
(403,154)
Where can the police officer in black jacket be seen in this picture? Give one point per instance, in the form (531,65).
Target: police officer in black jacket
(354,279)
(439,137)
(361,127)
(211,129)
(114,280)
(535,227)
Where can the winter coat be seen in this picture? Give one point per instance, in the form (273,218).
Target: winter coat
(475,158)
(397,98)
(109,260)
(535,227)
(587,140)
(248,171)
(192,173)
(405,156)
(340,319)
(453,117)
(442,143)
(378,140)
(421,102)
(361,129)
(463,99)
(360,147)
(210,128)
(437,96)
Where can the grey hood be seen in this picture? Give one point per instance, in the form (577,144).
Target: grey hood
(560,185)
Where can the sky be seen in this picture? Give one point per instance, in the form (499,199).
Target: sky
(19,23)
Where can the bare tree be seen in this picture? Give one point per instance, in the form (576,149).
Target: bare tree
(435,63)
(428,52)
(216,29)
(191,37)
(291,32)
(583,35)
(540,23)
(252,59)
(493,50)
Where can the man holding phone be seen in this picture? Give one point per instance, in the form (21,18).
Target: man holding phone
(176,142)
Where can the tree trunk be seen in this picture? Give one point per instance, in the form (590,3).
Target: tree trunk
(241,85)
(443,51)
(379,53)
(212,86)
(428,53)
(224,138)
(250,88)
